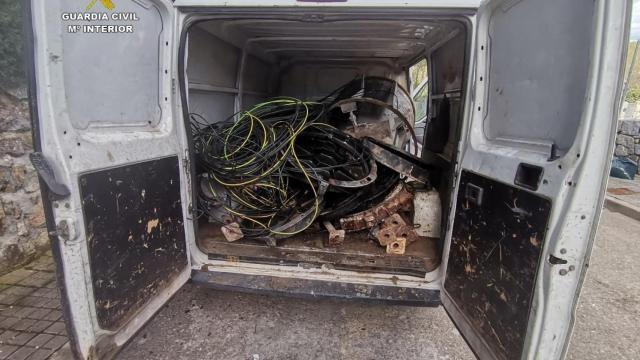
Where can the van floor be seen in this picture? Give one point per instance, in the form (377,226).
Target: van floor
(357,253)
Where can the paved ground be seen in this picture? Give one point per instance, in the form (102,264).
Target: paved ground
(608,316)
(625,190)
(31,325)
(204,324)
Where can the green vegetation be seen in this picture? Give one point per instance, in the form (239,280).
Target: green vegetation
(633,94)
(11,58)
(418,73)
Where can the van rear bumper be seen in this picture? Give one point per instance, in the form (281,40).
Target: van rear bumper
(310,289)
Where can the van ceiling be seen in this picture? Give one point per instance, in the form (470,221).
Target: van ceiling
(277,40)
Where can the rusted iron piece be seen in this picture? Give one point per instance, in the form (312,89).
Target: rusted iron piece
(232,232)
(399,200)
(336,237)
(394,220)
(397,247)
(407,232)
(394,228)
(386,236)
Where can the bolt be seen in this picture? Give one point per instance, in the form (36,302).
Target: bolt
(563,251)
(563,272)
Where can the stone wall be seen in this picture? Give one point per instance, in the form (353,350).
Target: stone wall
(628,140)
(22,225)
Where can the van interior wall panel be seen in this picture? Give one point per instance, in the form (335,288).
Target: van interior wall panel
(448,68)
(213,106)
(494,256)
(316,80)
(134,226)
(537,91)
(211,60)
(308,60)
(212,71)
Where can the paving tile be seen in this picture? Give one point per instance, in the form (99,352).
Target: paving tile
(41,354)
(39,326)
(39,302)
(32,301)
(8,323)
(54,315)
(40,340)
(57,328)
(3,286)
(39,314)
(37,279)
(16,276)
(16,337)
(18,290)
(43,263)
(46,293)
(23,324)
(22,353)
(56,342)
(51,285)
(64,353)
(8,299)
(6,350)
(22,312)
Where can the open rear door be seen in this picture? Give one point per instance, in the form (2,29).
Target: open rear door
(538,143)
(109,148)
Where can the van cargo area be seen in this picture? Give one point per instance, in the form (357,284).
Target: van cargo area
(314,142)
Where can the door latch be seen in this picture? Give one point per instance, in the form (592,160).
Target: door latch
(57,190)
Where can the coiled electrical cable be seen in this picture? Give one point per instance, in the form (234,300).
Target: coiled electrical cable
(269,163)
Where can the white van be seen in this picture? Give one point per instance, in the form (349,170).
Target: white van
(533,88)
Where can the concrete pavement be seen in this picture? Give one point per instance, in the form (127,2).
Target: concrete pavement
(623,196)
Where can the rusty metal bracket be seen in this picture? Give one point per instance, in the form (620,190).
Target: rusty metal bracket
(398,247)
(400,199)
(336,237)
(395,234)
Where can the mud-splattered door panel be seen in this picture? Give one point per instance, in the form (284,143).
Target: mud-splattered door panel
(135,233)
(496,242)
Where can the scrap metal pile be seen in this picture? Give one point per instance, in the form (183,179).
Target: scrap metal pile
(278,168)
